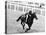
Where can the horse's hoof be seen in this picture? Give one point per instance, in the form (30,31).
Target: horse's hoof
(26,30)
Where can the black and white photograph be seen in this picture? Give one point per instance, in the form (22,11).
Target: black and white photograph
(24,17)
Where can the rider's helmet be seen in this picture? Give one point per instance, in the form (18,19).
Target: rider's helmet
(30,12)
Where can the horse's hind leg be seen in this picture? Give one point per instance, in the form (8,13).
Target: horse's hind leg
(23,25)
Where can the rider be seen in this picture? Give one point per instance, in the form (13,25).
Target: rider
(30,18)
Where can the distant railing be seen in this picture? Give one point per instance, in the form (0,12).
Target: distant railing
(21,8)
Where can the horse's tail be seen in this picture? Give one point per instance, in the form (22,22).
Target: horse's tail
(18,19)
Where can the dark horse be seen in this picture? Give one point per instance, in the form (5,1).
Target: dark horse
(28,21)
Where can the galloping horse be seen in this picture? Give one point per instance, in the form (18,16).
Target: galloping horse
(28,21)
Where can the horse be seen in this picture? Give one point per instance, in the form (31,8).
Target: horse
(28,21)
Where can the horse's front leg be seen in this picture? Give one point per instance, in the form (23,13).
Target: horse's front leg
(28,27)
(23,25)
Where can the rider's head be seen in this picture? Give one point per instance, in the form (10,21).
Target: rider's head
(30,12)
